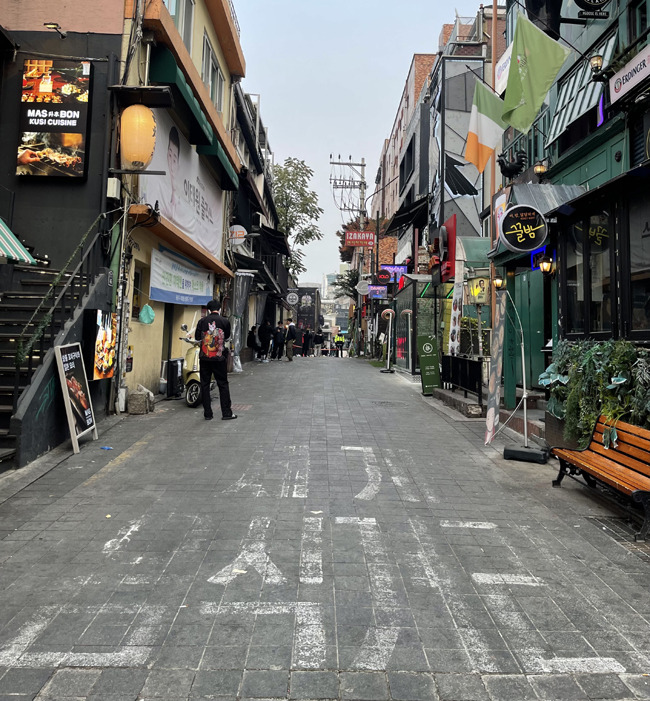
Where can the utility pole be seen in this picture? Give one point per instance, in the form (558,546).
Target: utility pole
(347,205)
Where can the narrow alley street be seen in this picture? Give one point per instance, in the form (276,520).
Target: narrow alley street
(344,538)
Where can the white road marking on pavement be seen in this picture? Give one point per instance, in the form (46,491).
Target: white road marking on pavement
(467,524)
(311,552)
(399,476)
(574,665)
(252,478)
(522,579)
(252,554)
(377,647)
(372,470)
(126,533)
(309,645)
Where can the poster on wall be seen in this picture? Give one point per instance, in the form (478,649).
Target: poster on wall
(105,341)
(456,311)
(176,281)
(76,397)
(187,195)
(54,118)
(496,353)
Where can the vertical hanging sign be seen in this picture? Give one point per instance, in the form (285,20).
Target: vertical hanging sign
(494,384)
(76,396)
(429,362)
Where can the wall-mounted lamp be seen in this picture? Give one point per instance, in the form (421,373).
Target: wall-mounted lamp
(546,265)
(598,75)
(56,27)
(498,281)
(541,167)
(137,137)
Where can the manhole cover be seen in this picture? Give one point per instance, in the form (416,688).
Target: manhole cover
(622,530)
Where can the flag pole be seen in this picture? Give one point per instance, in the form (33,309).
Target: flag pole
(493,170)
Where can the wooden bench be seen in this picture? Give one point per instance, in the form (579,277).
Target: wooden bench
(624,468)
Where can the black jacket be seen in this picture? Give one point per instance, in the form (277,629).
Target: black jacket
(279,336)
(265,333)
(292,333)
(213,331)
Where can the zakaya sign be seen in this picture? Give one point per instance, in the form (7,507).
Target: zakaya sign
(53,117)
(360,238)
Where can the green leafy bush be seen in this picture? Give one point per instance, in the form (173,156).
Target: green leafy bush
(589,378)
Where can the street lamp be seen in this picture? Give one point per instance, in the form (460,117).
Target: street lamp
(498,281)
(57,28)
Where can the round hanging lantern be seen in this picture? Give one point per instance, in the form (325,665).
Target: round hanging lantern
(137,137)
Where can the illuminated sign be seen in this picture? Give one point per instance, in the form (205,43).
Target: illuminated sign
(523,229)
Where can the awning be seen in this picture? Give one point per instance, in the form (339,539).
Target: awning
(164,69)
(11,248)
(262,273)
(545,197)
(408,214)
(473,250)
(228,178)
(578,92)
(276,240)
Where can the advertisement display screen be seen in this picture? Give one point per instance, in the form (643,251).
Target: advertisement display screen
(396,271)
(377,292)
(54,118)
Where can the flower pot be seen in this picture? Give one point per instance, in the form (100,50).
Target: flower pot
(554,433)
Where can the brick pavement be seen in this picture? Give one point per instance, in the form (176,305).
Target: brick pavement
(343,539)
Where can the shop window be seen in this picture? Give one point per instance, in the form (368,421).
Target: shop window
(637,20)
(639,263)
(600,276)
(211,75)
(575,288)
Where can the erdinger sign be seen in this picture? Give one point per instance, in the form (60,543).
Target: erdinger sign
(630,76)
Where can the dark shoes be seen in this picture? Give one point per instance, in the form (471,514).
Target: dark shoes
(229,418)
(208,418)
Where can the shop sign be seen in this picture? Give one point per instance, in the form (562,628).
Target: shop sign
(174,280)
(377,292)
(187,195)
(54,118)
(292,299)
(503,67)
(360,238)
(237,235)
(105,342)
(429,363)
(396,271)
(383,277)
(523,229)
(478,290)
(592,9)
(362,287)
(630,76)
(76,397)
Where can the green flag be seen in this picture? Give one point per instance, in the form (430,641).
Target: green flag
(536,61)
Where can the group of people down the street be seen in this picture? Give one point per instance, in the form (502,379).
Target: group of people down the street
(268,343)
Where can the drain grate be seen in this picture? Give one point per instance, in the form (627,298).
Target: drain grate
(241,407)
(622,530)
(383,403)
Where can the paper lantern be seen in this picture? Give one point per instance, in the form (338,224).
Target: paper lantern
(137,137)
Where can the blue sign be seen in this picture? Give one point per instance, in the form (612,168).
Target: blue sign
(377,292)
(396,271)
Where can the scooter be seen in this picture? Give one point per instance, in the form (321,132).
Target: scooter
(191,377)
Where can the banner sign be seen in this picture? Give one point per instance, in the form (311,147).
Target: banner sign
(396,271)
(503,67)
(479,290)
(174,280)
(632,74)
(377,292)
(105,340)
(456,312)
(360,238)
(187,195)
(496,353)
(76,396)
(523,229)
(54,118)
(429,363)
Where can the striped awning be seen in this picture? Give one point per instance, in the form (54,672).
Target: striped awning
(11,248)
(578,92)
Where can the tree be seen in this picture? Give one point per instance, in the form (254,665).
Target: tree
(345,284)
(297,208)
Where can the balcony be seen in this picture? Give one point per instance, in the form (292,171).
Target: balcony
(276,267)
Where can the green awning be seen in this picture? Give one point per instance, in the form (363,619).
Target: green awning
(229,180)
(164,69)
(11,248)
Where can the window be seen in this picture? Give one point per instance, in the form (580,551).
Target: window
(575,291)
(212,75)
(637,20)
(639,263)
(182,12)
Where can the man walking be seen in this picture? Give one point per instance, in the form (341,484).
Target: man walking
(213,331)
(291,337)
(318,342)
(265,333)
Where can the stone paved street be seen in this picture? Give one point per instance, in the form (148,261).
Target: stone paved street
(345,538)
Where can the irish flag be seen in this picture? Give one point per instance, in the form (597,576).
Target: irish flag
(485,126)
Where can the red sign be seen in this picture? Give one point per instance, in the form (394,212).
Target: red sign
(360,238)
(448,249)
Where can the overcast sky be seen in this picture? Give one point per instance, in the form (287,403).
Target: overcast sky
(330,74)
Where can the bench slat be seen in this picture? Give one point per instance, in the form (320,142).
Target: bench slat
(621,456)
(616,476)
(642,433)
(628,444)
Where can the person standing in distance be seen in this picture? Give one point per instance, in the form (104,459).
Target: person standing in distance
(290,338)
(213,331)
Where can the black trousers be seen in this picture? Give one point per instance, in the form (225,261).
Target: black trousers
(278,350)
(218,368)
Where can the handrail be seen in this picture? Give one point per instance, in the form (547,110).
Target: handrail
(75,283)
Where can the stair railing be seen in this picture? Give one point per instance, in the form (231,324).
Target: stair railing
(77,285)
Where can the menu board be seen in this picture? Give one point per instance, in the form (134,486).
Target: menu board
(104,356)
(76,396)
(54,118)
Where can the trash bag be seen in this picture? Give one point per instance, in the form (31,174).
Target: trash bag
(236,364)
(147,315)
